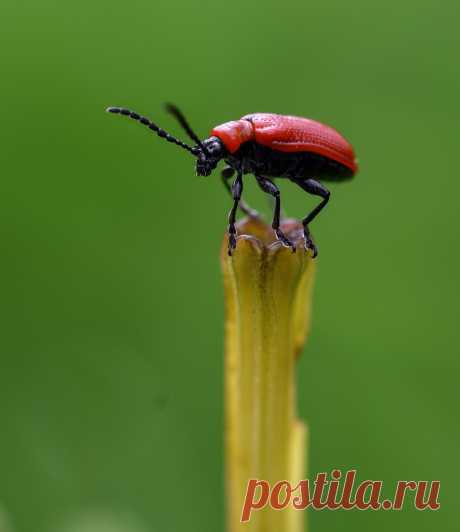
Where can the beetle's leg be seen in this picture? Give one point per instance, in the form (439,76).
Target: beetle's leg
(317,189)
(270,188)
(226,174)
(237,190)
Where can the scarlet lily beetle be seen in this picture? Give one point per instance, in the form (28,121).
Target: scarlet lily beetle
(267,145)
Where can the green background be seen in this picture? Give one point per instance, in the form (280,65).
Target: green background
(111,298)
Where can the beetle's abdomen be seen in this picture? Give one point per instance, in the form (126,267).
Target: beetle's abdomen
(294,134)
(233,134)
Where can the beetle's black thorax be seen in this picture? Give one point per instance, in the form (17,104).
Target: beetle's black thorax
(262,160)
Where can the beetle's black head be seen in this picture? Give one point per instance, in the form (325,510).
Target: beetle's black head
(209,154)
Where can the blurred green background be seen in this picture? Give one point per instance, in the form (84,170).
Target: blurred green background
(112,313)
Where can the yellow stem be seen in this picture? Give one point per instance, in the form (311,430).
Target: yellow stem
(267,290)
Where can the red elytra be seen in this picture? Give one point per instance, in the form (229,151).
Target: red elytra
(287,134)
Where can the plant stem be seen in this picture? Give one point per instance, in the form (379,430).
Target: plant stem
(268,291)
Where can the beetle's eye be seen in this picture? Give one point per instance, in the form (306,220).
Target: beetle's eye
(214,148)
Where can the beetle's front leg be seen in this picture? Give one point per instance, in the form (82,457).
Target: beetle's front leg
(226,174)
(237,191)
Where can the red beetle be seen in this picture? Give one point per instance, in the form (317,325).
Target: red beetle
(267,145)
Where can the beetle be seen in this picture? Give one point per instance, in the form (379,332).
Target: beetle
(268,146)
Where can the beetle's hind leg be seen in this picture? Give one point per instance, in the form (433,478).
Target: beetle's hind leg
(270,188)
(226,174)
(317,189)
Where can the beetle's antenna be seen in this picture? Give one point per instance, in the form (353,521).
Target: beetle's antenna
(160,132)
(179,116)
